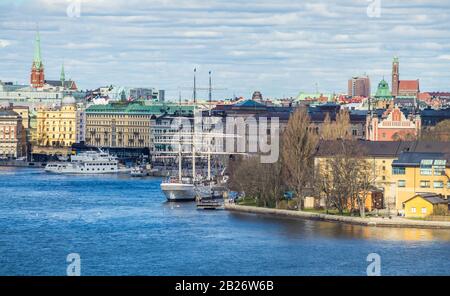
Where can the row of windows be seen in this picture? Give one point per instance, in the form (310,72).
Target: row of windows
(92,164)
(117,116)
(60,129)
(414,210)
(426,184)
(98,169)
(62,136)
(134,123)
(54,122)
(438,171)
(118,131)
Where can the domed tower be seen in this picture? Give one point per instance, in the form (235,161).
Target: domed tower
(37,69)
(68,101)
(383,96)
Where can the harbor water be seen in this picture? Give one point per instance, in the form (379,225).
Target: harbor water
(123,226)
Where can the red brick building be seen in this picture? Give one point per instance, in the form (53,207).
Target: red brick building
(393,126)
(403,88)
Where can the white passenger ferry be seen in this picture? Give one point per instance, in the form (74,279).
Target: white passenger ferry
(90,162)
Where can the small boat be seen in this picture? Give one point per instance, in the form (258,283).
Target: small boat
(139,172)
(210,204)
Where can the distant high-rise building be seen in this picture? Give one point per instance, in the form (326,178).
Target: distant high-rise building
(161,95)
(359,87)
(37,68)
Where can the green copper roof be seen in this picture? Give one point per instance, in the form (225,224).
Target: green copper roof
(140,108)
(37,51)
(383,91)
(396,60)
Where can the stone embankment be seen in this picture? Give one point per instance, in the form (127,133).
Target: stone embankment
(372,221)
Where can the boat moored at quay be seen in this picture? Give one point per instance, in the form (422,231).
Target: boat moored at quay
(89,162)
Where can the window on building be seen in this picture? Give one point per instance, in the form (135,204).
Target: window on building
(438,184)
(424,184)
(402,183)
(439,167)
(424,210)
(398,171)
(426,167)
(413,210)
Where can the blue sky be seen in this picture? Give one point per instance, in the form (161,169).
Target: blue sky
(279,47)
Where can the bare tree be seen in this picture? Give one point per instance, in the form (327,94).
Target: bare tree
(298,147)
(365,180)
(441,132)
(345,177)
(342,125)
(338,129)
(257,180)
(327,132)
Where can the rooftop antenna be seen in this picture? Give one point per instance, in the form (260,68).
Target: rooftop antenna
(210,93)
(195,86)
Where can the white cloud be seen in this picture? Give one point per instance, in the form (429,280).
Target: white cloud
(72,45)
(4,43)
(320,9)
(444,57)
(158,42)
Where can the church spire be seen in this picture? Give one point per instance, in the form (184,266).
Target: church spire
(37,78)
(37,51)
(63,75)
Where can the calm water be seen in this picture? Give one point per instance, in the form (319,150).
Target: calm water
(123,226)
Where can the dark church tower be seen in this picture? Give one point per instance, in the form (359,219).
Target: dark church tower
(395,76)
(37,69)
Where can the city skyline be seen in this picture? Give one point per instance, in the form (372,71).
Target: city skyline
(279,50)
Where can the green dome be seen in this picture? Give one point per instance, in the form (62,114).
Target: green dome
(383,91)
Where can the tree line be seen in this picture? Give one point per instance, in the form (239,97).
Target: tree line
(343,180)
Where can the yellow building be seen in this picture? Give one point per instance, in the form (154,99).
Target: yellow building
(126,125)
(397,167)
(56,128)
(416,173)
(424,205)
(380,155)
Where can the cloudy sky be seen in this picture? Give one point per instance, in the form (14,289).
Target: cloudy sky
(280,47)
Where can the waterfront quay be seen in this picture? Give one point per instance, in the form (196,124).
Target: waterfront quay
(368,222)
(124,226)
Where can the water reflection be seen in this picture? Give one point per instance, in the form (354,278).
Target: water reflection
(307,228)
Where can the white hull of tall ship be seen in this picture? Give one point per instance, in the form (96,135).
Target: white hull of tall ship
(178,191)
(90,162)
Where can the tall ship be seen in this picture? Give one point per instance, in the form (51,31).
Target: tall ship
(89,162)
(177,188)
